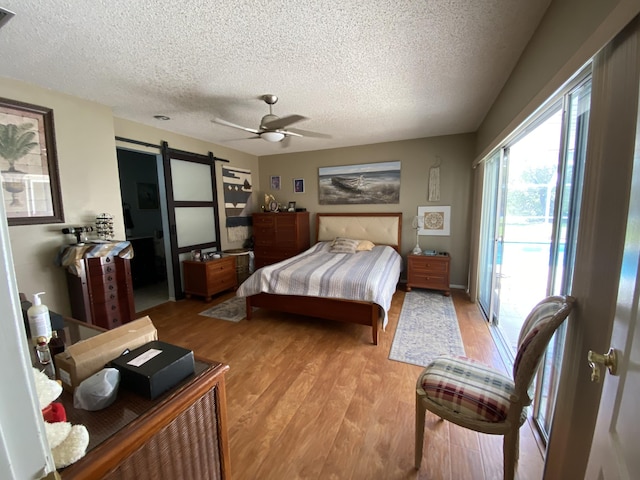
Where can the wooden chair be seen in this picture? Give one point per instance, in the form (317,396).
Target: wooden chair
(480,398)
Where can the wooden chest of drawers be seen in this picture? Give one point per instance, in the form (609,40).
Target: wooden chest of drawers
(278,236)
(428,271)
(210,277)
(102,293)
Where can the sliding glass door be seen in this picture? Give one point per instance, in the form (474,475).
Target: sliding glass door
(531,197)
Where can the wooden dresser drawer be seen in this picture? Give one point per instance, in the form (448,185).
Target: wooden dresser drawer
(108,314)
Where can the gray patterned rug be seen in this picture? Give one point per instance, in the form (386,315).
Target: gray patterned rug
(232,310)
(428,327)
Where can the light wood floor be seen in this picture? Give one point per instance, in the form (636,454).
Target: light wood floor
(315,399)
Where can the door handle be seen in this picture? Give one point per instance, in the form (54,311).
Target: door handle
(609,360)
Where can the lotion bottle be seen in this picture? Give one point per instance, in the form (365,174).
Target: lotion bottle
(39,321)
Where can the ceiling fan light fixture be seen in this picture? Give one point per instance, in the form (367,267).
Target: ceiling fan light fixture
(272,136)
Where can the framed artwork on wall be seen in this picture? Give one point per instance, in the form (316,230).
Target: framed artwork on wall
(147,196)
(298,185)
(434,220)
(275,182)
(366,183)
(29,164)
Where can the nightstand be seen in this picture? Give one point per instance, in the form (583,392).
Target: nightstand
(429,271)
(210,277)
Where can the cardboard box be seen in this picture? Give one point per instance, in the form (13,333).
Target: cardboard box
(154,368)
(83,359)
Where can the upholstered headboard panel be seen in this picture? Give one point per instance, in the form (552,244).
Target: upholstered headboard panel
(380,228)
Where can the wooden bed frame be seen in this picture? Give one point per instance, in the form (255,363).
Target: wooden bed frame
(381,229)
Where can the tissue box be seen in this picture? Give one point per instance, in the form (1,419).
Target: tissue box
(154,368)
(83,359)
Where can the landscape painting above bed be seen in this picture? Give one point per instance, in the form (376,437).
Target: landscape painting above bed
(367,183)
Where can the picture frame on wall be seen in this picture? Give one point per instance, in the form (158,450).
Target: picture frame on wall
(275,182)
(434,220)
(29,164)
(148,196)
(298,185)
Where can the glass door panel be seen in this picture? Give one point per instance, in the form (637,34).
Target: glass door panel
(487,233)
(191,181)
(195,226)
(570,194)
(526,224)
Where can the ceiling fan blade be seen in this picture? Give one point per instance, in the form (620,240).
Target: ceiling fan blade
(233,125)
(307,133)
(283,122)
(289,133)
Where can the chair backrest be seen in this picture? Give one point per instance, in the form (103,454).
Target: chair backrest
(535,334)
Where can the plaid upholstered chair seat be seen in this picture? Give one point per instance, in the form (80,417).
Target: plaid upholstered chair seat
(480,398)
(468,388)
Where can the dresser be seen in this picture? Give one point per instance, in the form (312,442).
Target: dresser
(278,236)
(101,291)
(181,434)
(429,271)
(208,278)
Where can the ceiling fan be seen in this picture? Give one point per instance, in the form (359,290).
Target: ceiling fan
(273,128)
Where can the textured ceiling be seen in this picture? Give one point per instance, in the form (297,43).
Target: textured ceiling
(361,71)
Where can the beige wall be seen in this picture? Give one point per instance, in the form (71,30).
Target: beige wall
(89,182)
(569,35)
(416,157)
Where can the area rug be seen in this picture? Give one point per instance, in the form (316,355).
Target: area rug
(427,327)
(232,310)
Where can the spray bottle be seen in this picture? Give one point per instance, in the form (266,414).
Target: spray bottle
(39,321)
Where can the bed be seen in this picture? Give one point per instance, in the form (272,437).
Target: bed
(300,286)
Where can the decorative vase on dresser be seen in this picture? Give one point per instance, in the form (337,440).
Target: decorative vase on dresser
(429,271)
(278,236)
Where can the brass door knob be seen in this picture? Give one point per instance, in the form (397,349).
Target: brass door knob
(609,360)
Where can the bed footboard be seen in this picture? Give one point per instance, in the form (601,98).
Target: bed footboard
(349,311)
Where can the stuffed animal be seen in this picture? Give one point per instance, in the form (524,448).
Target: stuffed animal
(68,442)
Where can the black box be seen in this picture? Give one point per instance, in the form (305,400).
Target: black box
(152,369)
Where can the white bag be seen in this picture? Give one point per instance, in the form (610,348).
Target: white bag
(98,391)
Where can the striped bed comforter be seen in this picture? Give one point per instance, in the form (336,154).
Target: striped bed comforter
(369,276)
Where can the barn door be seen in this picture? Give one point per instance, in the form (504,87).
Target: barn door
(192,207)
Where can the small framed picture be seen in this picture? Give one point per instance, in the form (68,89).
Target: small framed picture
(275,182)
(291,207)
(298,185)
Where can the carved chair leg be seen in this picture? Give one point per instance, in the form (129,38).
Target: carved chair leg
(420,420)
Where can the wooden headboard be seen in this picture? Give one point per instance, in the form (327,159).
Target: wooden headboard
(380,228)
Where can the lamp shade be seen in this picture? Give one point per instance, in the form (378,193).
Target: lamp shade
(272,136)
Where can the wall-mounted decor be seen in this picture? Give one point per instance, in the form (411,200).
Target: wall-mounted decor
(275,182)
(434,220)
(359,184)
(237,202)
(298,185)
(29,164)
(147,196)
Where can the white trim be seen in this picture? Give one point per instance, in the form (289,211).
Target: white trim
(24,451)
